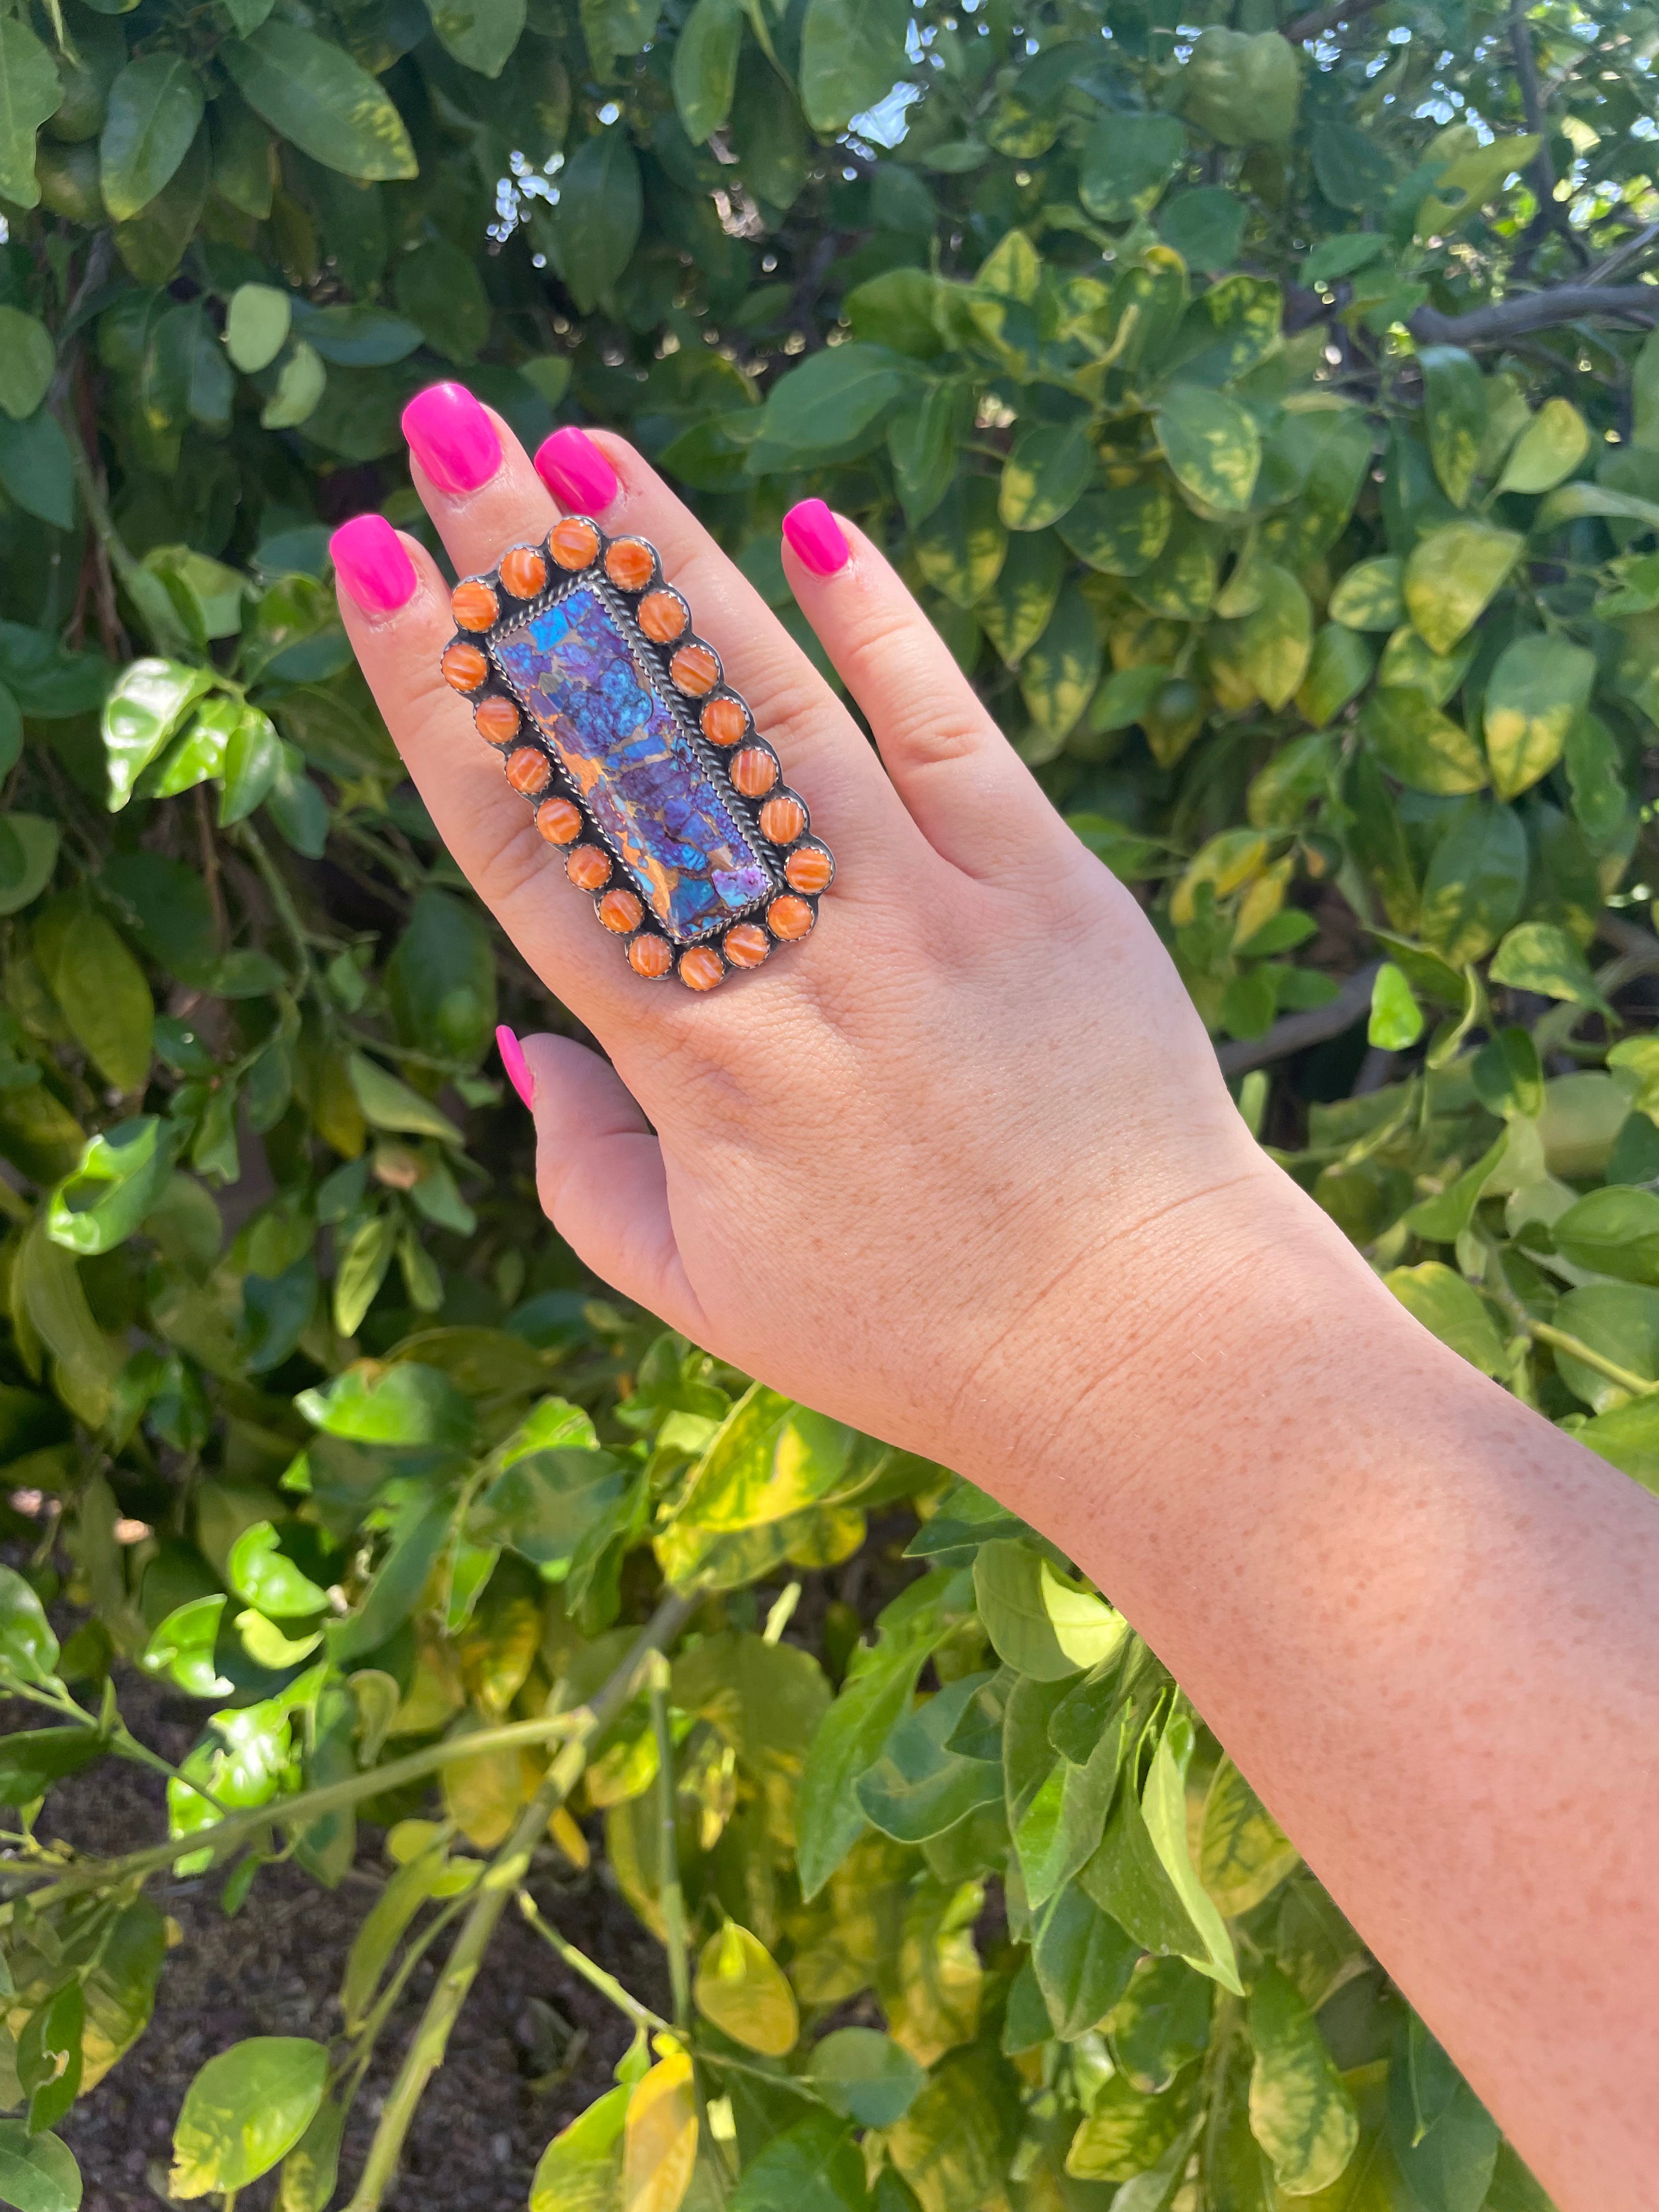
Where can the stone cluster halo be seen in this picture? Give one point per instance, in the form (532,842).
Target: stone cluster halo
(615,722)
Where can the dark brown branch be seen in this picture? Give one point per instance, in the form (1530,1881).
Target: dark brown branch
(1536,311)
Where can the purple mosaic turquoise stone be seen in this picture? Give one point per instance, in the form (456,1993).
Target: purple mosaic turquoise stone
(625,751)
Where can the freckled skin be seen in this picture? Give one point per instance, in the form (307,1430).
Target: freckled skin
(961,1170)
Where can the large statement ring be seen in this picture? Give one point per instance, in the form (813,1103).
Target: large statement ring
(643,766)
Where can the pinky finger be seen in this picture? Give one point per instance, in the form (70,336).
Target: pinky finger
(600,1176)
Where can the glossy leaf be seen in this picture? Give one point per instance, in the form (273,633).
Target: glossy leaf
(312,92)
(244,2109)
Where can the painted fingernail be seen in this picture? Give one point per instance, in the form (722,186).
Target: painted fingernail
(575,471)
(372,561)
(518,1068)
(814,536)
(453,440)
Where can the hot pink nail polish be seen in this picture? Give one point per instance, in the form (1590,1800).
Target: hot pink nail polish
(814,536)
(372,561)
(518,1068)
(575,471)
(453,440)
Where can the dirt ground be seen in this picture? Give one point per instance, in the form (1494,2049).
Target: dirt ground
(533,2047)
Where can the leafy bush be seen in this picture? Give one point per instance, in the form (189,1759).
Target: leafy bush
(1262,411)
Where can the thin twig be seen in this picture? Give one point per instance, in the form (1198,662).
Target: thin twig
(593,1974)
(1296,1032)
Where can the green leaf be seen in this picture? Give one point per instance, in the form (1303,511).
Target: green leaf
(1127,160)
(865,2075)
(1474,883)
(1126,2133)
(1455,402)
(918,1787)
(29,1650)
(1535,694)
(148,703)
(1420,746)
(1244,1853)
(480,34)
(1083,1960)
(263,1575)
(880,1681)
(580,2169)
(597,221)
(1058,673)
(704,71)
(1301,2111)
(29,93)
(1370,595)
(961,548)
(404,1404)
(1024,596)
(1266,652)
(301,380)
(244,2109)
(50,2055)
(26,359)
(852,52)
(37,2172)
(838,396)
(1540,957)
(256,325)
(154,111)
(31,1762)
(740,1988)
(47,1287)
(119,1178)
(389,1103)
(769,1459)
(1211,446)
(181,1647)
(1242,90)
(1044,476)
(440,291)
(1339,667)
(816,2166)
(1205,228)
(35,468)
(1163,1807)
(253,761)
(1453,1310)
(1451,576)
(1548,450)
(310,91)
(1037,1623)
(104,996)
(1121,532)
(1056,1806)
(1473,173)
(1396,1019)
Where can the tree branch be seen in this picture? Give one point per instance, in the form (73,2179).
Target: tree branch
(1504,320)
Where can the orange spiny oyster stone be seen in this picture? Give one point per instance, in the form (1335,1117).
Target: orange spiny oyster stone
(523,571)
(528,770)
(559,822)
(724,721)
(573,543)
(782,818)
(808,868)
(496,720)
(696,669)
(473,603)
(701,968)
(747,945)
(663,616)
(650,955)
(630,564)
(620,911)
(789,917)
(754,771)
(464,665)
(588,867)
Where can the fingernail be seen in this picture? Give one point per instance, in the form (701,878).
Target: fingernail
(814,536)
(453,440)
(372,561)
(575,471)
(518,1068)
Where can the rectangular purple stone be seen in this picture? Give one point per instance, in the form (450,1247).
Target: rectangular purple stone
(627,754)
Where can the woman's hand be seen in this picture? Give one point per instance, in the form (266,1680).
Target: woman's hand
(881,1171)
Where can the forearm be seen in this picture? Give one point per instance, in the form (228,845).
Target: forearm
(1426,1625)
